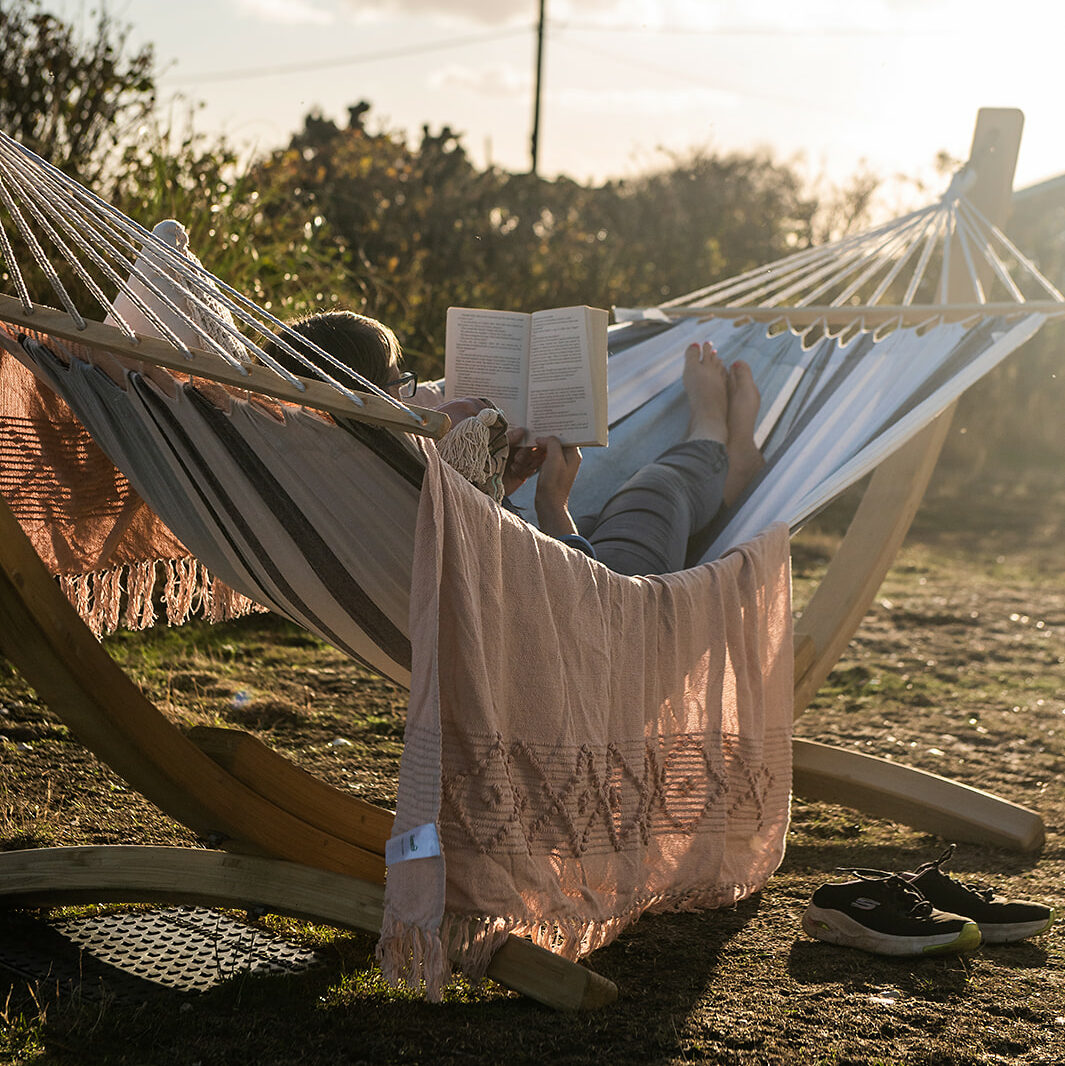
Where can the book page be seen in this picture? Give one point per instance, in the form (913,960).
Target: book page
(561,400)
(485,357)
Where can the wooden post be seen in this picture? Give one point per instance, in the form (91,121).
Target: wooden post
(538,90)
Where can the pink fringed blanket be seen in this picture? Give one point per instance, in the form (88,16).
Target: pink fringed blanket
(588,746)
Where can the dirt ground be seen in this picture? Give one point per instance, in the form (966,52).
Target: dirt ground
(958,669)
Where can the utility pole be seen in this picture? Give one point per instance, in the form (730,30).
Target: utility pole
(535,145)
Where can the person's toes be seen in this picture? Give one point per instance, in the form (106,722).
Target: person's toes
(739,376)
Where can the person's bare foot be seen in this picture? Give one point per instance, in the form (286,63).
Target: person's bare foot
(744,458)
(706,383)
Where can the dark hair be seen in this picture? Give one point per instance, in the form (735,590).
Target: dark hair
(359,343)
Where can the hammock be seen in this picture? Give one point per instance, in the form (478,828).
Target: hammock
(845,381)
(314,517)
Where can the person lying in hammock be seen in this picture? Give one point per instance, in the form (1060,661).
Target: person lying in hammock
(646,525)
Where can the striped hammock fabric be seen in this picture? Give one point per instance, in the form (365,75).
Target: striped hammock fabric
(301,515)
(831,411)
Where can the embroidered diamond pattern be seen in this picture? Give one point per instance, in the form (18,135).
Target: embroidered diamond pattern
(518,798)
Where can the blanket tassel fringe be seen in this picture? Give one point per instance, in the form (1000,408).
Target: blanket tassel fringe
(125,595)
(415,958)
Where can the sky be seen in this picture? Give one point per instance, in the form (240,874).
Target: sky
(830,86)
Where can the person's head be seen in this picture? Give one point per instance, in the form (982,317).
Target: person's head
(359,343)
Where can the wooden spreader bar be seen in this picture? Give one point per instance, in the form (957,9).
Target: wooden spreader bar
(255,379)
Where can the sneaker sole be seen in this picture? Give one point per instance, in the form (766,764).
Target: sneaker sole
(834,927)
(1005,934)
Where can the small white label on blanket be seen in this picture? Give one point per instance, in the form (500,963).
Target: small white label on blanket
(420,842)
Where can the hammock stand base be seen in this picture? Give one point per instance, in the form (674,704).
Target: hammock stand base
(191,876)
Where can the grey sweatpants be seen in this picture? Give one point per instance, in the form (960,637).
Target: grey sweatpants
(645,526)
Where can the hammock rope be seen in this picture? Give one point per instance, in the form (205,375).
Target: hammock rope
(843,280)
(126,254)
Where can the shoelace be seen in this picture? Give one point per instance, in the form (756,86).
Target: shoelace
(983,891)
(910,900)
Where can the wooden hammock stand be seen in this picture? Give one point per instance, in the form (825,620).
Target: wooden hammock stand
(284,841)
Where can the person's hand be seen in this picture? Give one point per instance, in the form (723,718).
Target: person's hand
(557,475)
(522,462)
(465,407)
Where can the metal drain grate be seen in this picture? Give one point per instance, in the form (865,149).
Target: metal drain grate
(134,954)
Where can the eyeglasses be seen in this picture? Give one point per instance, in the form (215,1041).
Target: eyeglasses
(406,385)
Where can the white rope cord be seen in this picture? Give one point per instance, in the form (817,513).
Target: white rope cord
(863,269)
(963,232)
(970,220)
(38,253)
(98,235)
(944,273)
(8,254)
(1000,270)
(100,232)
(69,194)
(939,222)
(811,275)
(883,252)
(779,289)
(55,198)
(885,244)
(928,227)
(894,256)
(766,284)
(88,280)
(723,291)
(1027,265)
(174,268)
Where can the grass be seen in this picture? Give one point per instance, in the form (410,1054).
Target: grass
(957,669)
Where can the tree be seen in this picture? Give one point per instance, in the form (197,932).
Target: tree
(70,99)
(413,228)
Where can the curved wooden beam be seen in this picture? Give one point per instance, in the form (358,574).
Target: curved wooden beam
(190,876)
(842,599)
(890,502)
(916,798)
(281,781)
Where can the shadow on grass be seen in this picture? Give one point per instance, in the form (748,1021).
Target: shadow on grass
(812,962)
(342,1013)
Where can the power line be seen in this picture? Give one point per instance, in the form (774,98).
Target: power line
(513,31)
(347,61)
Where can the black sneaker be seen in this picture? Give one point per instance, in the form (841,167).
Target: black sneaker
(1000,920)
(883,913)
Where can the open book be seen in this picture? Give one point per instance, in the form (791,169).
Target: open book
(545,371)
